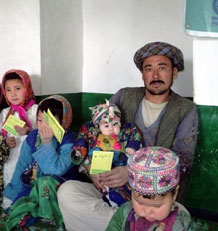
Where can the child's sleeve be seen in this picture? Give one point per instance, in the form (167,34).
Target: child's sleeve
(81,146)
(52,161)
(184,222)
(32,115)
(86,138)
(2,117)
(132,135)
(24,162)
(117,221)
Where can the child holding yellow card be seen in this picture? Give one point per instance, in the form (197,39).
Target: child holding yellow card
(19,95)
(106,134)
(42,166)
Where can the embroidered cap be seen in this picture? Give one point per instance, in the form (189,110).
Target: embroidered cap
(159,48)
(153,170)
(105,112)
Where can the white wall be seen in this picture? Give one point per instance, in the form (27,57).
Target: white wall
(88,45)
(61,46)
(20,38)
(205,68)
(115,29)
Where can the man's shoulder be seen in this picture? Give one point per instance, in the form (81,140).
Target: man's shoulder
(182,99)
(132,92)
(133,89)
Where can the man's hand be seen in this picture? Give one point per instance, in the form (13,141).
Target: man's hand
(95,179)
(22,131)
(11,142)
(118,176)
(46,134)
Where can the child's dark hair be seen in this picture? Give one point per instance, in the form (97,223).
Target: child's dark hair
(173,191)
(11,76)
(55,106)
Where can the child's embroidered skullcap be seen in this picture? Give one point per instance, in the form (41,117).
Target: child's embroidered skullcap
(105,113)
(153,170)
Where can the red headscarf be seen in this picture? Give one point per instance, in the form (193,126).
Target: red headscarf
(29,98)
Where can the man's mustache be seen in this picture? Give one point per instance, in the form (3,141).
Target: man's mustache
(156,81)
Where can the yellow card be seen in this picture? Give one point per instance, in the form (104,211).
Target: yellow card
(11,122)
(57,129)
(101,162)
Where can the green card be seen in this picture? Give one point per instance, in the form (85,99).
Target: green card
(57,129)
(101,162)
(11,122)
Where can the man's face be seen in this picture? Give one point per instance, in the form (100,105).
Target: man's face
(158,74)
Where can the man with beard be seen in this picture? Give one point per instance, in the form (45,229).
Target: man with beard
(164,118)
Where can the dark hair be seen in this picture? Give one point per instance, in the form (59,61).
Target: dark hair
(55,106)
(11,76)
(173,191)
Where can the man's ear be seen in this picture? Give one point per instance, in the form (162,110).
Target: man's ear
(175,72)
(176,192)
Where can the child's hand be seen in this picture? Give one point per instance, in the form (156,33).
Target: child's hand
(11,142)
(130,151)
(22,131)
(46,134)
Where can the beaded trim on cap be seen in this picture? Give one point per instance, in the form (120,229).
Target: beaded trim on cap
(153,170)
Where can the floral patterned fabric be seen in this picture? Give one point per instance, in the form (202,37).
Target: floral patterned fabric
(4,153)
(89,137)
(41,202)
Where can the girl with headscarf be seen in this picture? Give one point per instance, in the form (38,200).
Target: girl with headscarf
(42,166)
(18,92)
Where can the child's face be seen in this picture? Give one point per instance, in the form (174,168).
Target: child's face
(109,128)
(41,122)
(157,208)
(14,91)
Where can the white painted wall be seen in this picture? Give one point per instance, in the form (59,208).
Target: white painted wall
(88,45)
(61,46)
(205,71)
(115,29)
(20,38)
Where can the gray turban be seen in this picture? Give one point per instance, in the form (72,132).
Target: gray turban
(159,48)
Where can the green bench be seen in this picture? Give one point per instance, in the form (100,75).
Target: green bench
(203,189)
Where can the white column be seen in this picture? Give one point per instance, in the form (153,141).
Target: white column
(205,71)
